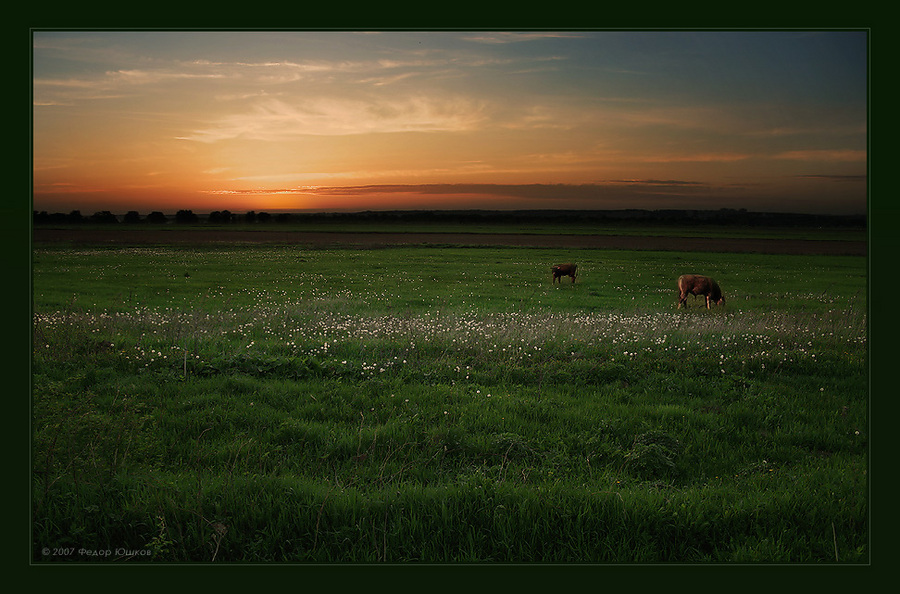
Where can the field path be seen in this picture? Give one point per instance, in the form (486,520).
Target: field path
(327,239)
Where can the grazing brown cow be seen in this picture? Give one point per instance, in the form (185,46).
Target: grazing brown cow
(561,270)
(695,284)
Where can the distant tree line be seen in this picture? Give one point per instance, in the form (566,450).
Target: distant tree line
(158,218)
(724,216)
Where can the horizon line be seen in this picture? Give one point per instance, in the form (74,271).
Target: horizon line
(738,210)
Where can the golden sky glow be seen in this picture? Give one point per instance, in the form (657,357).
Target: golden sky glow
(771,121)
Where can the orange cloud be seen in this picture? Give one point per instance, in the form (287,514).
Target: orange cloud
(851,156)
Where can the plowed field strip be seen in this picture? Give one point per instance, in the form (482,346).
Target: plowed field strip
(623,242)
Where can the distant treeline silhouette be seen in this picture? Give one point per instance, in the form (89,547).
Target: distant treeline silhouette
(724,216)
(157,217)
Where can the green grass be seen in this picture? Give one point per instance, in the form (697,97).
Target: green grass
(257,404)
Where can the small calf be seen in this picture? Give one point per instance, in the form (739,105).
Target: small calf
(561,270)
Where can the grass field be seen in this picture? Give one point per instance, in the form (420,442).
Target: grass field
(424,404)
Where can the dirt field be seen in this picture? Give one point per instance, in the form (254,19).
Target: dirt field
(372,240)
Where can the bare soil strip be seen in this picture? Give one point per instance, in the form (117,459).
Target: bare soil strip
(335,239)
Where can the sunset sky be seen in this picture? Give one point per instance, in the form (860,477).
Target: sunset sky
(326,120)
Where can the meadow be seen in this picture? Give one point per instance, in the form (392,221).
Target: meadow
(282,403)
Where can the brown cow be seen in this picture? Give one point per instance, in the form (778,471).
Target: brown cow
(695,284)
(561,270)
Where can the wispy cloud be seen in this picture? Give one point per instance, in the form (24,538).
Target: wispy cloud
(657,182)
(852,156)
(837,178)
(374,71)
(612,194)
(543,191)
(274,119)
(691,157)
(503,37)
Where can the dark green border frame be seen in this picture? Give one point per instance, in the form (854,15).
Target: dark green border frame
(884,247)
